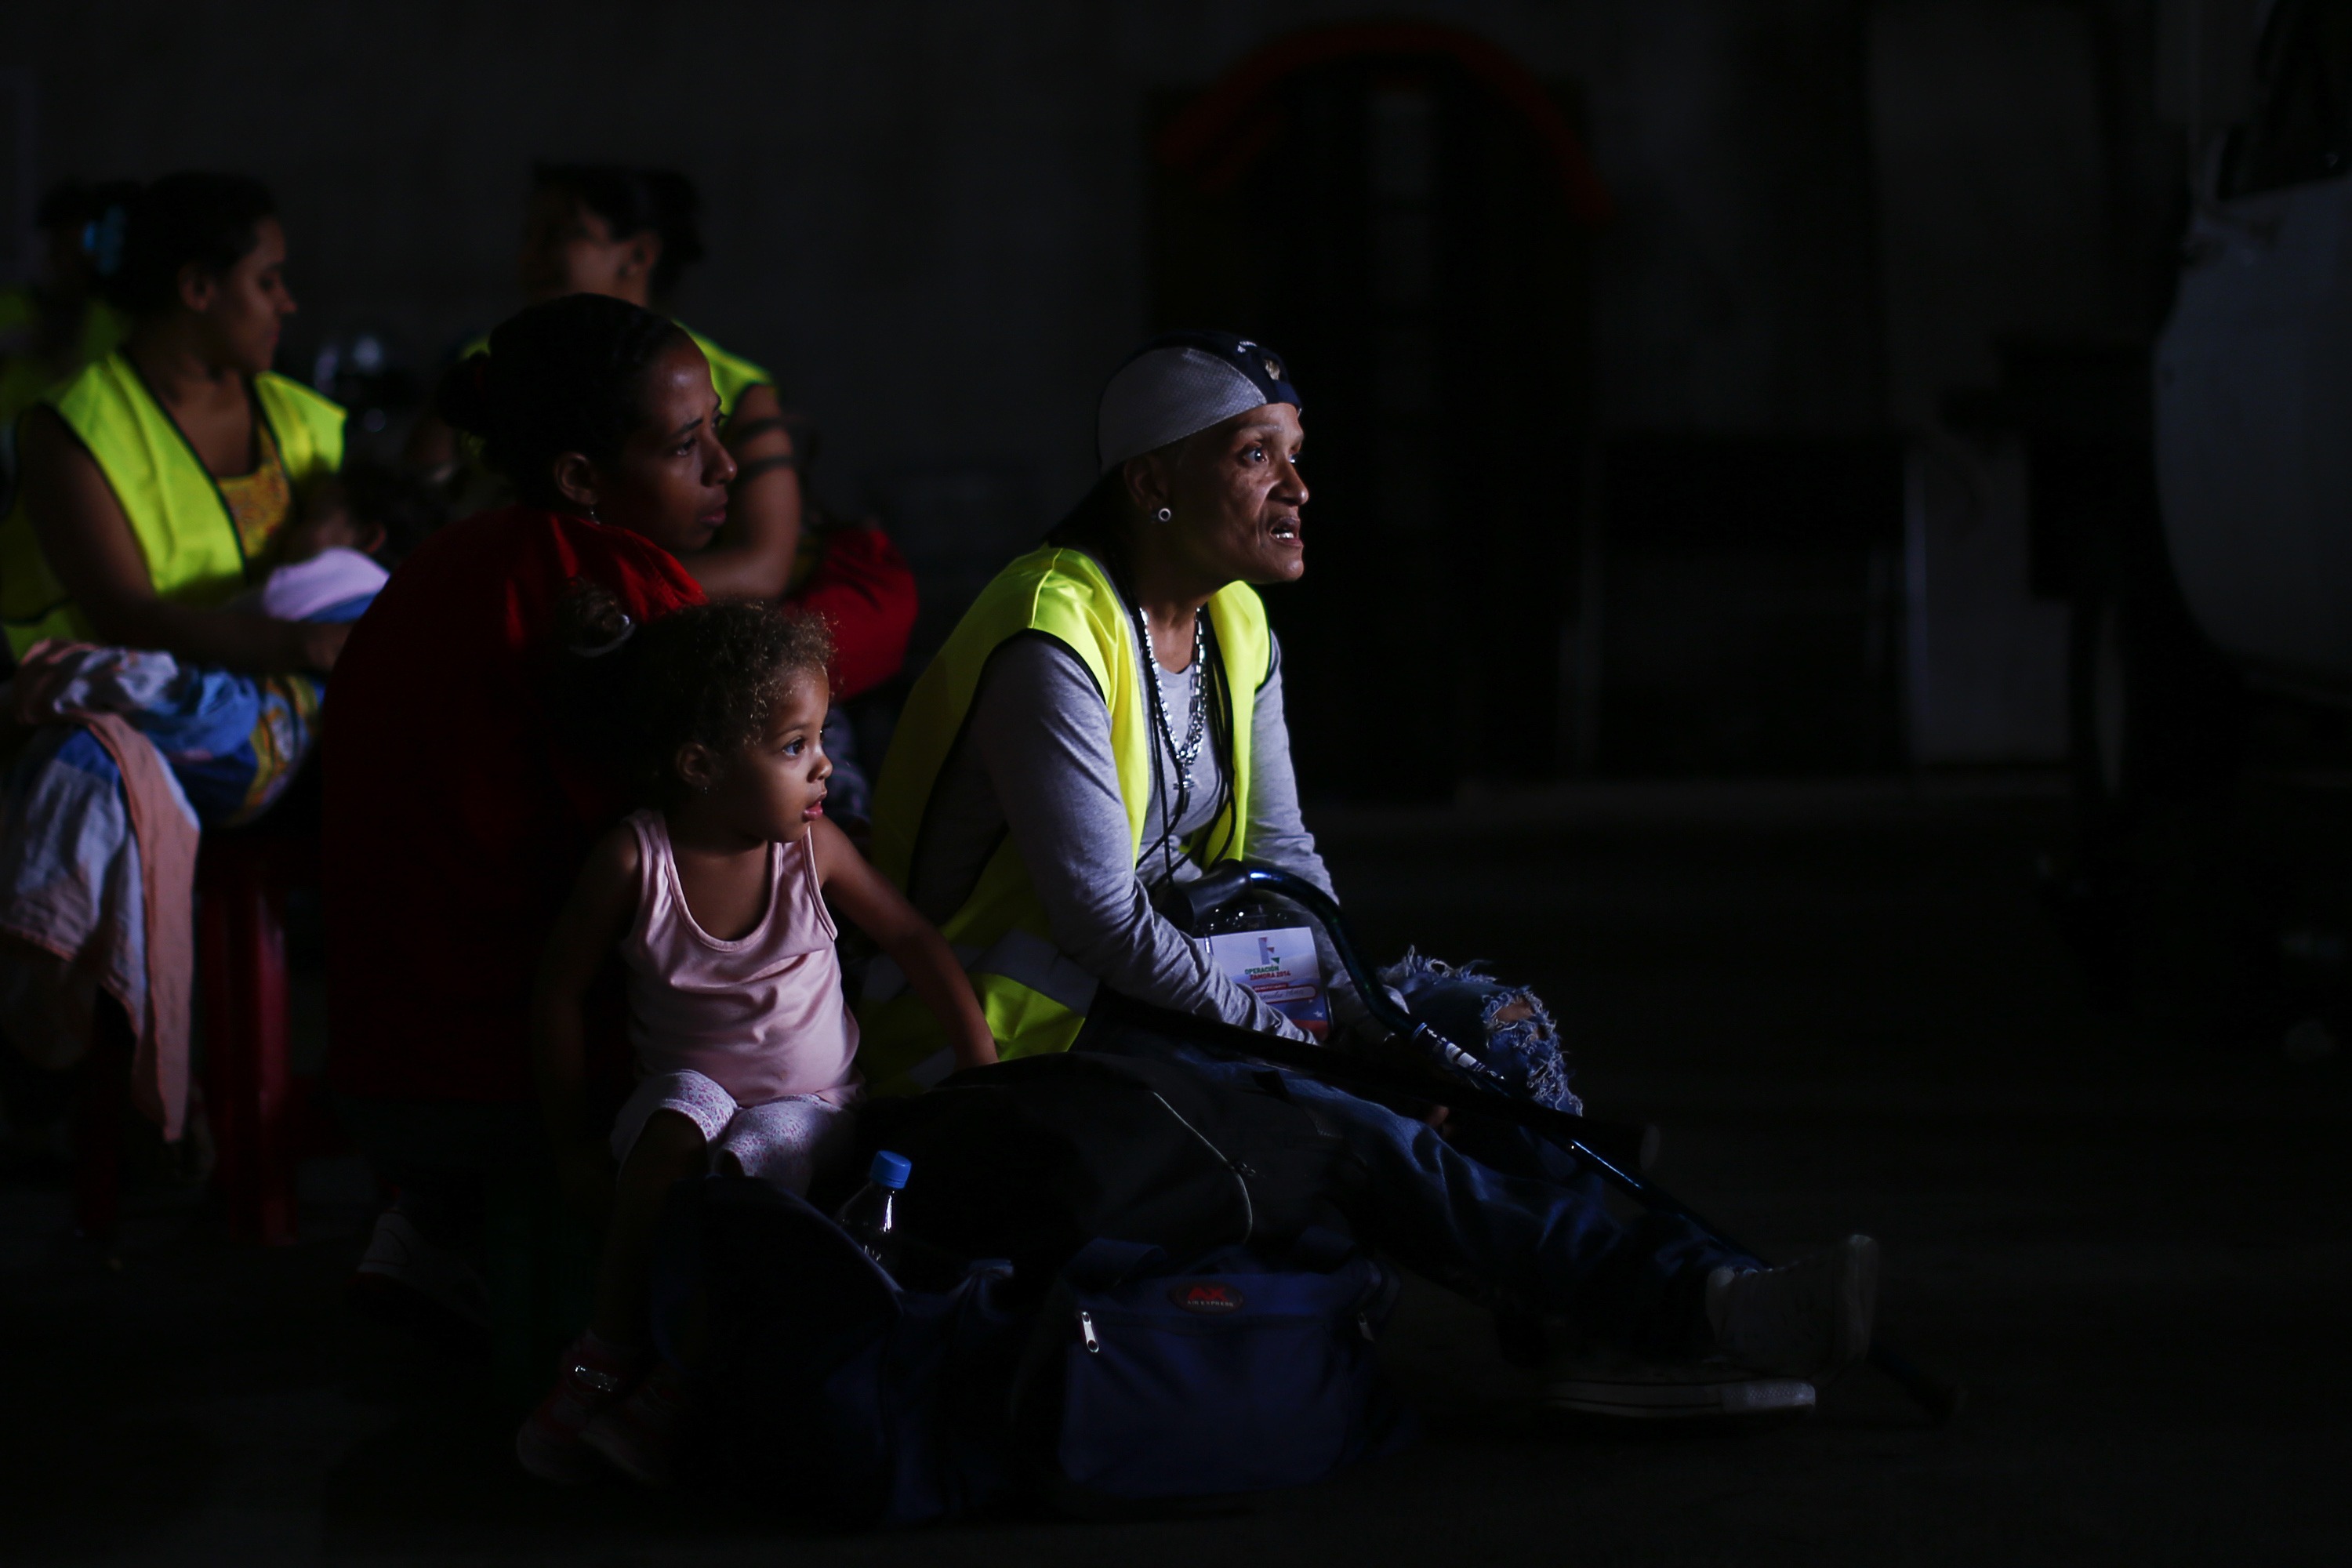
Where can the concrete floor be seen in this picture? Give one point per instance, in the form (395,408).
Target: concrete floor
(1848,1010)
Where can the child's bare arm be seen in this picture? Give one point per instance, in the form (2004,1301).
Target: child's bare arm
(882,912)
(602,900)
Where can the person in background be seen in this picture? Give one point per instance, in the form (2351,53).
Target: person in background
(714,898)
(631,234)
(455,812)
(155,485)
(51,327)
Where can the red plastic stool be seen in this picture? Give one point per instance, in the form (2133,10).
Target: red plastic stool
(242,881)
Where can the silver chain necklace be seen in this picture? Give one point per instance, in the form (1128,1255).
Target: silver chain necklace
(1196,728)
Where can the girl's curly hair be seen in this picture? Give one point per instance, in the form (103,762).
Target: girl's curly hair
(709,673)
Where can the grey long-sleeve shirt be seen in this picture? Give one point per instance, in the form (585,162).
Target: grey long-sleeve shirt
(1036,760)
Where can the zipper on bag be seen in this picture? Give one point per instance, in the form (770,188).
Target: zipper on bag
(1086,1334)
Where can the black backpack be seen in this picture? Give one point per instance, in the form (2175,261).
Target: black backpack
(832,1388)
(1031,1160)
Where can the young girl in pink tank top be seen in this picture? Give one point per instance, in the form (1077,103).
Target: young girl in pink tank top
(716,903)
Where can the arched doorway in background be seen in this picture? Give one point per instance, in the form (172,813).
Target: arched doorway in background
(1403,211)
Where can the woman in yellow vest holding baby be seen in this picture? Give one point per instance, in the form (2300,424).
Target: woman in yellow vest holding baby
(157,479)
(158,487)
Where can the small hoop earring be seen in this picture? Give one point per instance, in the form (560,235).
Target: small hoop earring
(1164,515)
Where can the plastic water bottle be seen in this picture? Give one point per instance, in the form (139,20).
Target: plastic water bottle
(868,1214)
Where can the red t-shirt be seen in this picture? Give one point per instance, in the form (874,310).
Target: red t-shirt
(454,824)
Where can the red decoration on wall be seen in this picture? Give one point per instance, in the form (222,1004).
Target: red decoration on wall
(1216,138)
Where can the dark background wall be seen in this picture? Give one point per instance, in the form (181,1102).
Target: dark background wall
(931,221)
(928,215)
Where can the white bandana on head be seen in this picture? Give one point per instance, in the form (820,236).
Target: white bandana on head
(1178,386)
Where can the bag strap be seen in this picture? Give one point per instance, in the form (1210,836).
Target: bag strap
(1105,1262)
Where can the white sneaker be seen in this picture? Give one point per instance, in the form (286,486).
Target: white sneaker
(1646,1390)
(409,1281)
(1808,1319)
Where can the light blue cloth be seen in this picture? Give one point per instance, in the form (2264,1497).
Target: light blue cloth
(70,885)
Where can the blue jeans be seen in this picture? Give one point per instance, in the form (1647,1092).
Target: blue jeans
(1523,1229)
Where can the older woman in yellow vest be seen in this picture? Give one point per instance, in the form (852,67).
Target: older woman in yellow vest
(1107,718)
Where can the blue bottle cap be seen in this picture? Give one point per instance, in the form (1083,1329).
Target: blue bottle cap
(890,1169)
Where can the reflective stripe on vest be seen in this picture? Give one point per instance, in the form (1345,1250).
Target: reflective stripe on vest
(1034,997)
(184,526)
(1020,957)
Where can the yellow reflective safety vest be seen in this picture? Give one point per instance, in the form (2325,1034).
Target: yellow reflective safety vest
(731,375)
(1034,997)
(25,375)
(194,554)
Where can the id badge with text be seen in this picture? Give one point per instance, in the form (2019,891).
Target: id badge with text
(1282,967)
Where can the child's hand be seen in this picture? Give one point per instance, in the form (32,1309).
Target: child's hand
(586,1173)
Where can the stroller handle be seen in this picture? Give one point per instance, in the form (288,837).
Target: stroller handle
(1939,1398)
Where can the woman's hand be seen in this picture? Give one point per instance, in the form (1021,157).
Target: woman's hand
(753,556)
(90,544)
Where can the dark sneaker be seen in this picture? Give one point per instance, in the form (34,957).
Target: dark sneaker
(639,1434)
(549,1444)
(1648,1391)
(1808,1319)
(411,1283)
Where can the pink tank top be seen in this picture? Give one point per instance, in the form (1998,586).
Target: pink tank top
(762,1016)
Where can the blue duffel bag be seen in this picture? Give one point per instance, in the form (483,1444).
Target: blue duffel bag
(821,1386)
(1100,1377)
(1239,1374)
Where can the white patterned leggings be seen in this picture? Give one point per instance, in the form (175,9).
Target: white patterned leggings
(782,1142)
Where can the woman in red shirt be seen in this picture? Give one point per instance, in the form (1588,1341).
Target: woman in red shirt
(455,814)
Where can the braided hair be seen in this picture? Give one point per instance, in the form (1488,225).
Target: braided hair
(563,376)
